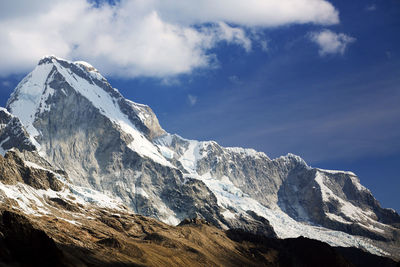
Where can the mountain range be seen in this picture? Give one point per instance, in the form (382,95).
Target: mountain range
(76,152)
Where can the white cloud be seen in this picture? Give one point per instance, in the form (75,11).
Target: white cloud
(6,83)
(192,100)
(264,45)
(330,42)
(159,38)
(260,39)
(234,79)
(266,13)
(370,7)
(232,35)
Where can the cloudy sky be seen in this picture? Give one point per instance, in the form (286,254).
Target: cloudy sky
(317,78)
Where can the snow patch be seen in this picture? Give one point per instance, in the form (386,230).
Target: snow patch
(167,215)
(228,215)
(140,191)
(166,152)
(247,151)
(191,156)
(356,214)
(71,221)
(2,150)
(165,140)
(336,218)
(337,172)
(34,165)
(6,111)
(88,66)
(290,157)
(357,184)
(29,94)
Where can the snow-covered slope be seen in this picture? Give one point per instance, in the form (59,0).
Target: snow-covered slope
(33,96)
(79,123)
(331,206)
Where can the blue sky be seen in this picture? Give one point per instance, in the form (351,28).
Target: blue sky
(323,83)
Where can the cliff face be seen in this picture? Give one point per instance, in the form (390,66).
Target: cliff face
(14,170)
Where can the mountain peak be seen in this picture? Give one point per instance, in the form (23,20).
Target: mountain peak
(77,66)
(49,59)
(56,83)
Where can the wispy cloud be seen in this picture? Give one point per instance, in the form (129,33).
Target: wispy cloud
(157,38)
(330,42)
(371,7)
(170,81)
(5,83)
(192,99)
(264,45)
(234,79)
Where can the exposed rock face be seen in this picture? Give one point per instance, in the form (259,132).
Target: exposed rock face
(13,170)
(338,201)
(79,123)
(13,134)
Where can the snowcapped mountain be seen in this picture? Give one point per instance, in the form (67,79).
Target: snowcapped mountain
(66,115)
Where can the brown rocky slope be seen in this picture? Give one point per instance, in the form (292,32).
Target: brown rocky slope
(126,239)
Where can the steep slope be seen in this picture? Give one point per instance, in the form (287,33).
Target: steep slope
(80,124)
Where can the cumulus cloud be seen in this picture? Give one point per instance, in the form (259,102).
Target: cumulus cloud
(267,13)
(158,38)
(330,42)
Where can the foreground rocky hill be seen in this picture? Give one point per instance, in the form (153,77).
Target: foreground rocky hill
(139,241)
(84,145)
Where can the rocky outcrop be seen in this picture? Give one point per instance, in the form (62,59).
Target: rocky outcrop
(14,170)
(13,134)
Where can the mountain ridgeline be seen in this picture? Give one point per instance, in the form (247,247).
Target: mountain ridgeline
(66,118)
